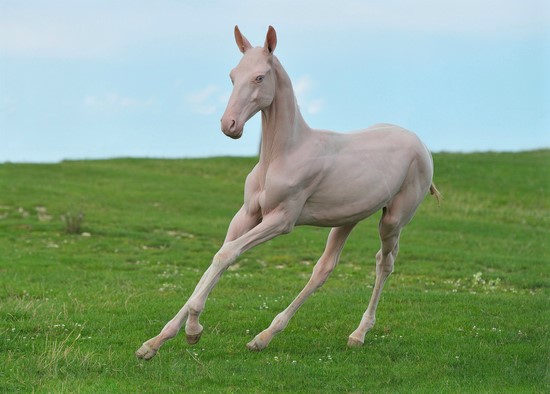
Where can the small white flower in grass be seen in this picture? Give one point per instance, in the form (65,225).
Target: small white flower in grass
(477,278)
(294,362)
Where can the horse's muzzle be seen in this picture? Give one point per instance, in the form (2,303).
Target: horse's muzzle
(231,129)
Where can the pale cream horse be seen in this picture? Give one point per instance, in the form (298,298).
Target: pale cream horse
(307,177)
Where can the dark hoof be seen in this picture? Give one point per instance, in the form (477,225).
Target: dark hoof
(193,339)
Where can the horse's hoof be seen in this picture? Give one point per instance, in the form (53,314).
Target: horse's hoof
(145,352)
(354,342)
(193,339)
(256,345)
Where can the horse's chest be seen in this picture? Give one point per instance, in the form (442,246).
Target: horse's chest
(283,190)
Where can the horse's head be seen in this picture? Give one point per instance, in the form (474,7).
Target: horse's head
(253,83)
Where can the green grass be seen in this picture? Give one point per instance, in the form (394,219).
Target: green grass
(466,310)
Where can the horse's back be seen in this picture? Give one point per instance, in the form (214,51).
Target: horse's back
(398,143)
(362,171)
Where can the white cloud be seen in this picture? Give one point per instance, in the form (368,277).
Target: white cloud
(91,29)
(88,29)
(56,32)
(207,101)
(467,17)
(113,102)
(315,106)
(477,17)
(302,89)
(201,96)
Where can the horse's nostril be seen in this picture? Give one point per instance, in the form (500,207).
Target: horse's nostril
(229,125)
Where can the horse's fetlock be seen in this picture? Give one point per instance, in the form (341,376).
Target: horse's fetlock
(279,323)
(195,307)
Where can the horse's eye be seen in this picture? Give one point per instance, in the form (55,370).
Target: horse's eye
(259,78)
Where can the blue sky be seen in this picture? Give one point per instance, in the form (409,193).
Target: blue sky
(96,79)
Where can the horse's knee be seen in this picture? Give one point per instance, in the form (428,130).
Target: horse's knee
(224,257)
(322,271)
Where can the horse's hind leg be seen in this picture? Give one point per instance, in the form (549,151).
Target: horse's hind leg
(321,271)
(389,235)
(394,217)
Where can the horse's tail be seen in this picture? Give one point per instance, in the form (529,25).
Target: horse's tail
(434,192)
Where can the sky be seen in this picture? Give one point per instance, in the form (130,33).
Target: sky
(103,79)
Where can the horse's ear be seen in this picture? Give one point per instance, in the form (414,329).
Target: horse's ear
(241,40)
(270,40)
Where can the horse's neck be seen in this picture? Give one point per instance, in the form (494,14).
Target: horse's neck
(283,126)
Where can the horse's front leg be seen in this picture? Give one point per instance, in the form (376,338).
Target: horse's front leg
(271,226)
(241,223)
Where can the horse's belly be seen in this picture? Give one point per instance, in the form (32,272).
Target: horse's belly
(334,218)
(338,209)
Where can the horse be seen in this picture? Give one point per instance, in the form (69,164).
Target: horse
(307,177)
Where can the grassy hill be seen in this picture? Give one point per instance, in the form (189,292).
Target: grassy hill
(466,310)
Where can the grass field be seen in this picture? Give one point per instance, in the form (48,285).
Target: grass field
(466,310)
